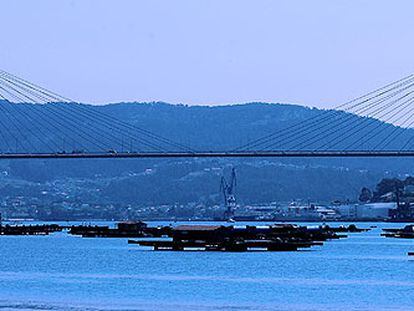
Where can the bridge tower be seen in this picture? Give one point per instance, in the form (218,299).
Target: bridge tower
(228,189)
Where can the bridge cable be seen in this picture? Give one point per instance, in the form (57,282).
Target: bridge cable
(95,112)
(330,121)
(300,124)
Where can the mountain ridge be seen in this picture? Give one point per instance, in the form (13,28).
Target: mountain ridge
(127,181)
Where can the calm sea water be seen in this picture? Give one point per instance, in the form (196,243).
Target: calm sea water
(61,272)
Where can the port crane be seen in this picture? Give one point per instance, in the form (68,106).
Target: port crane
(228,190)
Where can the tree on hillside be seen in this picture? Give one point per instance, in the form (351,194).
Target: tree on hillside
(388,185)
(409,181)
(365,196)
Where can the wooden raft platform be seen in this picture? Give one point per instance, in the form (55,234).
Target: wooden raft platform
(229,238)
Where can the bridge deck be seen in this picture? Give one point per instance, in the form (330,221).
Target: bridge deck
(210,154)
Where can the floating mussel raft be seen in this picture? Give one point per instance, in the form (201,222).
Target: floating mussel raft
(128,229)
(404,233)
(29,229)
(284,237)
(279,237)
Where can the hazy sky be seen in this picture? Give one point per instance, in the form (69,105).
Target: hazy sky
(316,53)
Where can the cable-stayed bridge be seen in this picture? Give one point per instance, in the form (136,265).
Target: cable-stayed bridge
(38,123)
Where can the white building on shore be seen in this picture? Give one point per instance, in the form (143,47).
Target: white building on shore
(365,211)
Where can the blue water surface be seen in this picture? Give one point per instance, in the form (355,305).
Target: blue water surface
(62,272)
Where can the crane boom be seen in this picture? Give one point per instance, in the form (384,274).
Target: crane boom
(228,190)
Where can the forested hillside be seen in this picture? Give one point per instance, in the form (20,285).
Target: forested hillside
(184,180)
